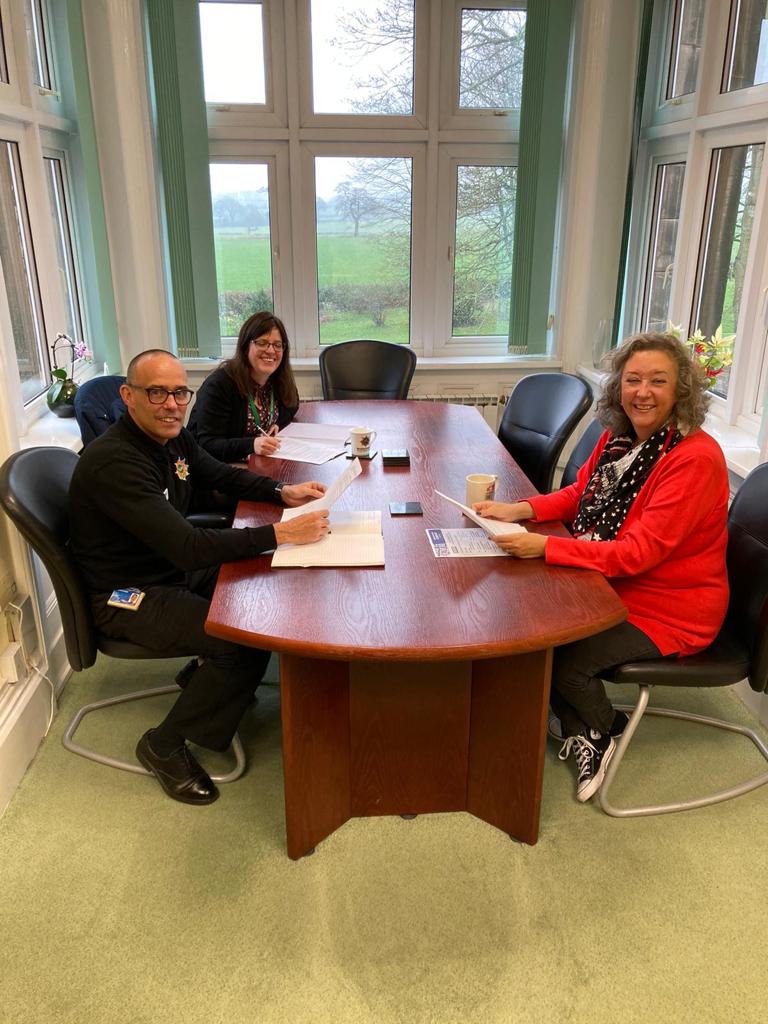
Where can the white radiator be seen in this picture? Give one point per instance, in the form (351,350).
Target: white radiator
(491,406)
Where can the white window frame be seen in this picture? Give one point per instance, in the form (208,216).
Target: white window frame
(451,156)
(386,122)
(248,132)
(308,324)
(705,121)
(33,121)
(451,115)
(652,156)
(273,112)
(733,409)
(275,157)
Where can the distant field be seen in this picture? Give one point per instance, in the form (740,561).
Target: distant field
(243,264)
(243,261)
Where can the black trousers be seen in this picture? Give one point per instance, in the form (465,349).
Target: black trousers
(171,620)
(578,695)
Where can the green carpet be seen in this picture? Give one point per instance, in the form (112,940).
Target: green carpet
(119,905)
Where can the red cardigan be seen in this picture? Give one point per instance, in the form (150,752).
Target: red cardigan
(667,563)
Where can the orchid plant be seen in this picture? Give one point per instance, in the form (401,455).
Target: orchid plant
(712,354)
(77,350)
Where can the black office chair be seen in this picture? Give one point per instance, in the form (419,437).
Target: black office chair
(34,489)
(539,417)
(739,652)
(366,369)
(98,405)
(583,449)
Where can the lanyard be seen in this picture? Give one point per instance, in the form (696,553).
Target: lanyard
(255,411)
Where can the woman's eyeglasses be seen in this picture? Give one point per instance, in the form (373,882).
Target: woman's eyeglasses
(262,346)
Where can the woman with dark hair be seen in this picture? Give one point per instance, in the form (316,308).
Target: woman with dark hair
(243,404)
(648,510)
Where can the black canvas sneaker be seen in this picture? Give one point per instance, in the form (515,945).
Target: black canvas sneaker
(555,726)
(593,755)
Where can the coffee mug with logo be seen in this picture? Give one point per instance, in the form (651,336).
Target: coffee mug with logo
(480,487)
(362,439)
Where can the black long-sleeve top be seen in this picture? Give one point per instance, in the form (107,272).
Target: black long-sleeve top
(219,416)
(127,502)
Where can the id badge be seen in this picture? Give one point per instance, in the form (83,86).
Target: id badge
(126,597)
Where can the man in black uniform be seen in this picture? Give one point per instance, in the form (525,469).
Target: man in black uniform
(128,500)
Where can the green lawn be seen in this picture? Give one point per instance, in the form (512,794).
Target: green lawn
(243,265)
(243,261)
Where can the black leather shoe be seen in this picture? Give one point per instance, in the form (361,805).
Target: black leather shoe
(180,775)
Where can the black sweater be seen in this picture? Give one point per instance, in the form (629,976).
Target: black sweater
(220,414)
(127,502)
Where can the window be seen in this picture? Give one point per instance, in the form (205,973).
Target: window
(687,31)
(51,287)
(363,231)
(697,248)
(733,183)
(233,52)
(491,58)
(348,236)
(362,56)
(38,37)
(20,273)
(665,217)
(3,59)
(482,267)
(65,255)
(746,61)
(242,234)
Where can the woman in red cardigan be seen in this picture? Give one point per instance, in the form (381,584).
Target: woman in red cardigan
(648,510)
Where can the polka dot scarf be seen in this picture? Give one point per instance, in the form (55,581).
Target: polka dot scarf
(616,480)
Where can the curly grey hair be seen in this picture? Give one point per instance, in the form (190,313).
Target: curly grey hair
(691,400)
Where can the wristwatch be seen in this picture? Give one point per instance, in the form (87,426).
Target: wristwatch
(279,489)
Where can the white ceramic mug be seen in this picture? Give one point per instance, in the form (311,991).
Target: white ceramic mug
(362,439)
(480,487)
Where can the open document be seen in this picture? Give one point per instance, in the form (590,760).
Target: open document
(492,526)
(463,544)
(355,537)
(311,442)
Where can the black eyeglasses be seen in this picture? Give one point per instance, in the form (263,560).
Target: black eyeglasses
(262,346)
(159,396)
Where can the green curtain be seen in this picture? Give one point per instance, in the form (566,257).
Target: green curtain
(173,33)
(545,73)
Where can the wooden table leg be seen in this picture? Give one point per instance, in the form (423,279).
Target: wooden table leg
(314,697)
(403,738)
(510,697)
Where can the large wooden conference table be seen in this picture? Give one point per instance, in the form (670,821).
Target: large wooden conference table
(422,685)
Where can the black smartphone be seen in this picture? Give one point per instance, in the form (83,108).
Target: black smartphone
(405,508)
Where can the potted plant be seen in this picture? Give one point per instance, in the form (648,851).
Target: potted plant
(61,393)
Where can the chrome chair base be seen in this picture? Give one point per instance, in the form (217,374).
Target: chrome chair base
(68,739)
(623,742)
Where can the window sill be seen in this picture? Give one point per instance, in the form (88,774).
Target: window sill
(55,431)
(459,363)
(740,448)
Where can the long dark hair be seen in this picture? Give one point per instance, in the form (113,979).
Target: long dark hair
(239,369)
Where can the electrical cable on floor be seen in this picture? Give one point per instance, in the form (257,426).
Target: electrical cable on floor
(31,666)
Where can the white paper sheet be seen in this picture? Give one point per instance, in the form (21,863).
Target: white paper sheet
(333,493)
(355,539)
(463,543)
(492,526)
(311,442)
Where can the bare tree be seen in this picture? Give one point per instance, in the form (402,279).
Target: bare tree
(354,202)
